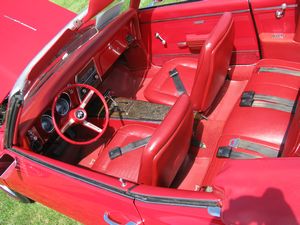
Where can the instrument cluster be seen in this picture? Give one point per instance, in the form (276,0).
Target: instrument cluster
(39,134)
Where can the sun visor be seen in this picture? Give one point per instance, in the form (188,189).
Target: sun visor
(95,6)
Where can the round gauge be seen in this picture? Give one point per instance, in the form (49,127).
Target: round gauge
(62,106)
(46,123)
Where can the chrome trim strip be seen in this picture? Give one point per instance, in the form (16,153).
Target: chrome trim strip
(204,203)
(245,51)
(196,55)
(174,54)
(195,16)
(140,197)
(8,191)
(199,22)
(279,70)
(275,7)
(20,22)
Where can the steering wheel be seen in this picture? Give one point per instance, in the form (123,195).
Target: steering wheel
(78,115)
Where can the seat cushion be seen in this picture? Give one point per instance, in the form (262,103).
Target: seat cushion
(128,165)
(202,79)
(162,88)
(276,78)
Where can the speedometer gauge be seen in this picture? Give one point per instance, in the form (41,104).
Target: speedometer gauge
(46,123)
(62,107)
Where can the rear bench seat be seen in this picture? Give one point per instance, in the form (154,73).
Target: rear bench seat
(260,124)
(258,132)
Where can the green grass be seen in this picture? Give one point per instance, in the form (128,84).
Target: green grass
(13,212)
(75,5)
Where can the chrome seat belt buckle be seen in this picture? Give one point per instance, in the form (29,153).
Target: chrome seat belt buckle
(248,95)
(246,102)
(115,153)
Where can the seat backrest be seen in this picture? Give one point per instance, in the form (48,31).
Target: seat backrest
(213,64)
(168,146)
(292,141)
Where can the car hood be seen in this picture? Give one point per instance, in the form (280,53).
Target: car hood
(27,26)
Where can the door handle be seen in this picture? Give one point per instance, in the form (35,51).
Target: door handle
(111,222)
(163,41)
(280,12)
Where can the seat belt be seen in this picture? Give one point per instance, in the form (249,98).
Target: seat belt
(250,99)
(177,81)
(279,70)
(228,152)
(267,98)
(118,151)
(255,147)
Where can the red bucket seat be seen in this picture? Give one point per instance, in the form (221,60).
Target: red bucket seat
(201,78)
(158,162)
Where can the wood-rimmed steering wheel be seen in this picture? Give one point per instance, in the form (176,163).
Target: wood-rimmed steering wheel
(78,114)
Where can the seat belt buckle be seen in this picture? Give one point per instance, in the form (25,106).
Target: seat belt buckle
(246,102)
(248,95)
(115,153)
(173,73)
(224,152)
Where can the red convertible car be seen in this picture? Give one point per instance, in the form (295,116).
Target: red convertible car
(181,113)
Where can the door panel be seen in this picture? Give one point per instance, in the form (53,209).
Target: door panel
(176,22)
(85,200)
(277,34)
(171,206)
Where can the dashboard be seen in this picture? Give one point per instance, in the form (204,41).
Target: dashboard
(92,62)
(43,131)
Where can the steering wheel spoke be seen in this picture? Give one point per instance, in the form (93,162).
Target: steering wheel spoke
(92,126)
(86,100)
(67,125)
(78,114)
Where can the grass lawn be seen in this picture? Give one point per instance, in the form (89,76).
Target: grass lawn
(13,212)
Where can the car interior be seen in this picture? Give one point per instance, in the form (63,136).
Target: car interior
(165,96)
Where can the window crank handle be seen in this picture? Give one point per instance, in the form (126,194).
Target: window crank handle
(163,41)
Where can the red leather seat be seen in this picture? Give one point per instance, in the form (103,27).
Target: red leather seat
(276,78)
(263,124)
(202,78)
(158,162)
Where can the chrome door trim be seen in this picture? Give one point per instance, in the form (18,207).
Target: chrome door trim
(290,6)
(194,203)
(196,16)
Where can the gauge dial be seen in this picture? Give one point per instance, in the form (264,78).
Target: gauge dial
(47,124)
(62,106)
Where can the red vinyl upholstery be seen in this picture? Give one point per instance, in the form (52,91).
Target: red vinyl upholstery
(266,127)
(203,78)
(158,162)
(263,124)
(292,142)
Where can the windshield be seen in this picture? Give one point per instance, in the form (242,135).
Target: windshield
(68,43)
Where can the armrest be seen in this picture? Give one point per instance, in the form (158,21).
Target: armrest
(193,41)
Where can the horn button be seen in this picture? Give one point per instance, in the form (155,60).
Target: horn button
(80,115)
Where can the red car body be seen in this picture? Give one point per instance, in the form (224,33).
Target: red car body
(128,53)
